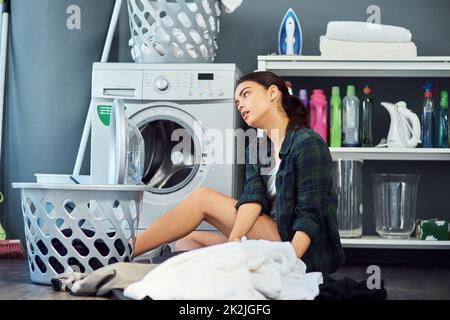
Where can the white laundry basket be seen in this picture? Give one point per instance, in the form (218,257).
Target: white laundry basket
(172,31)
(74,227)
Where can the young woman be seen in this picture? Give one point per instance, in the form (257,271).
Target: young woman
(293,200)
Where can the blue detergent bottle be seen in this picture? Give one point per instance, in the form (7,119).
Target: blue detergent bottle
(428,136)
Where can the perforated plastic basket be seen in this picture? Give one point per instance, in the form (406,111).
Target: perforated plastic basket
(172,31)
(78,227)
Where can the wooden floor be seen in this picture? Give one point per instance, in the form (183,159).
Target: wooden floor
(400,282)
(15,284)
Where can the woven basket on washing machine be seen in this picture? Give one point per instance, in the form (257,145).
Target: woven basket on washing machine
(173,31)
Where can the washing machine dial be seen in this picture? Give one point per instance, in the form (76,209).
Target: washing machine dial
(161,84)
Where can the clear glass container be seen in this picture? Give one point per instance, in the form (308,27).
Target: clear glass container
(395,202)
(349,188)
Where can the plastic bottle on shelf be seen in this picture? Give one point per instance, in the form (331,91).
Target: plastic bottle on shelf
(350,119)
(443,120)
(335,118)
(303,95)
(289,87)
(366,118)
(318,113)
(428,136)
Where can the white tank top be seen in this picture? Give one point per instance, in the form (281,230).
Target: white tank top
(271,188)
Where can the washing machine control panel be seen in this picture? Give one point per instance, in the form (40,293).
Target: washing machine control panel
(164,81)
(187,85)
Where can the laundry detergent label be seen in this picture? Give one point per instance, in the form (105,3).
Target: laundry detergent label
(104,114)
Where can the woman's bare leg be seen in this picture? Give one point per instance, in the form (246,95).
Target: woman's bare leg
(264,228)
(202,205)
(200,239)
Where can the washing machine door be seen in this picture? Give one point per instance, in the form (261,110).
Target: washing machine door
(116,170)
(126,148)
(175,150)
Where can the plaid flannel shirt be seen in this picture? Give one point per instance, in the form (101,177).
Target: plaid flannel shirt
(305,198)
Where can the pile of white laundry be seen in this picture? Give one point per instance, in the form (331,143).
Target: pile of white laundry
(251,269)
(363,40)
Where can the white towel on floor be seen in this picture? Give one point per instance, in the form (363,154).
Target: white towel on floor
(366,32)
(252,269)
(366,50)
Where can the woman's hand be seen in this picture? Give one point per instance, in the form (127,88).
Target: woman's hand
(245,219)
(300,242)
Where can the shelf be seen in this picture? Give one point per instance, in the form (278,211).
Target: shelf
(384,243)
(316,66)
(409,154)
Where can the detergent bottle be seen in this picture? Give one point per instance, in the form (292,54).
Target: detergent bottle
(443,120)
(318,115)
(366,118)
(335,118)
(428,117)
(350,119)
(303,95)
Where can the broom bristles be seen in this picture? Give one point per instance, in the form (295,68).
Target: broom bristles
(11,249)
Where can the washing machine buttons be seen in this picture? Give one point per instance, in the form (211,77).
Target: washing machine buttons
(161,84)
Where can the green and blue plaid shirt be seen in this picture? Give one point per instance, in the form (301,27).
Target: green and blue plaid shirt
(305,198)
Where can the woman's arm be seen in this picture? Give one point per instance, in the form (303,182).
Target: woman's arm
(300,242)
(313,181)
(245,219)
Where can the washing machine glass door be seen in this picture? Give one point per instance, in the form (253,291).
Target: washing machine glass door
(116,144)
(126,149)
(173,148)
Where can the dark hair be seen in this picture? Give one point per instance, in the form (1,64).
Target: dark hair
(292,105)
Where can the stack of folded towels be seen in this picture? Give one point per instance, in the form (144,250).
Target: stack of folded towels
(363,40)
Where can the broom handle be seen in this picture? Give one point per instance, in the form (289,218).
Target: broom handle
(105,55)
(3,54)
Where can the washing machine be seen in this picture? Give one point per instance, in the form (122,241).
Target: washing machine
(187,118)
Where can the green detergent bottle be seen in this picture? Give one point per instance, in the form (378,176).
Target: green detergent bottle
(443,121)
(2,231)
(335,118)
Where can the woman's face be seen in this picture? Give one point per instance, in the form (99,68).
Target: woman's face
(254,102)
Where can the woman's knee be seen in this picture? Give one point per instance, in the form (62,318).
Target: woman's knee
(200,195)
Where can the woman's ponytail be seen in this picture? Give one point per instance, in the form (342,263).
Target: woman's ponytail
(297,113)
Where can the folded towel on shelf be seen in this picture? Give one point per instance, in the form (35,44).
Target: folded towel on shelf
(366,50)
(367,32)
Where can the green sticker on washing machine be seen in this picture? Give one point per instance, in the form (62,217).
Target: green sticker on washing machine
(104,114)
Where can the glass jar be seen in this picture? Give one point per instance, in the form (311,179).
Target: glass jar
(395,202)
(349,188)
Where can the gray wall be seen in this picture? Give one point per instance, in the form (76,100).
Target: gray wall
(49,79)
(48,92)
